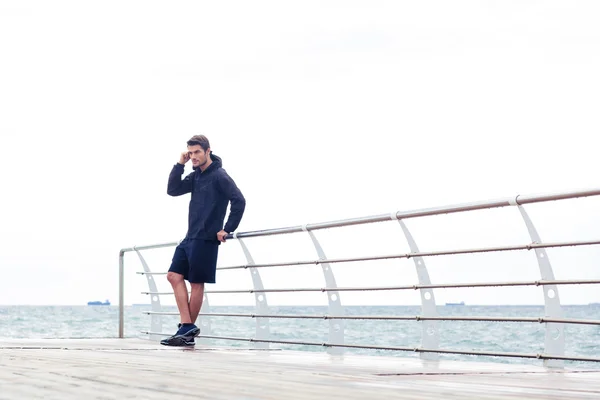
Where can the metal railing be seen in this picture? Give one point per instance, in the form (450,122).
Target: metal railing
(554,346)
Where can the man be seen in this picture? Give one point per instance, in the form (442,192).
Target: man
(195,258)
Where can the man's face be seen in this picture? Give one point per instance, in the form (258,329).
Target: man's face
(198,155)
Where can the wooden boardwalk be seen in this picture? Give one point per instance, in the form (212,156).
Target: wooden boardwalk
(138,369)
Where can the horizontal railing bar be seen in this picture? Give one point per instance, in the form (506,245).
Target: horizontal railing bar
(408,287)
(540,320)
(150,246)
(540,198)
(527,199)
(516,283)
(151,273)
(404,255)
(418,254)
(398,348)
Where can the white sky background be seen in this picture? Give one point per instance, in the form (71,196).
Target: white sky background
(321,110)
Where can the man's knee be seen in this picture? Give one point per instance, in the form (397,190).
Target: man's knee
(174,277)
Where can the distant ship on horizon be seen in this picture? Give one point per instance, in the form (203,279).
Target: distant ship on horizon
(462,303)
(98,303)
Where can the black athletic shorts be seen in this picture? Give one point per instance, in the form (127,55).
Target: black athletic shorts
(196,260)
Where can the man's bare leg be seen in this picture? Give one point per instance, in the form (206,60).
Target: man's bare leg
(196,299)
(181,296)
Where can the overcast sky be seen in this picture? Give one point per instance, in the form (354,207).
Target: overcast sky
(321,110)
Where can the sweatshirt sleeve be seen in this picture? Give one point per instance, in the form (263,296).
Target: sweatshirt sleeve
(177,186)
(238,202)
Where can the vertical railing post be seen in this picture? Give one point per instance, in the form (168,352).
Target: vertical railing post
(555,338)
(155,319)
(260,298)
(429,333)
(336,327)
(121,292)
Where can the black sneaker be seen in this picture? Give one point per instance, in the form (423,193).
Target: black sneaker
(184,337)
(178,341)
(189,342)
(188,330)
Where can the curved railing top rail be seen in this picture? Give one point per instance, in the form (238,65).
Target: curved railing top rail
(455,208)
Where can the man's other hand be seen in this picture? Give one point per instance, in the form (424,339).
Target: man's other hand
(221,235)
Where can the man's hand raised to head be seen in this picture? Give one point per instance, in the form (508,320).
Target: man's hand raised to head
(185,157)
(221,235)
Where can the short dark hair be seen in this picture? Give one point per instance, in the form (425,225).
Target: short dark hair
(200,140)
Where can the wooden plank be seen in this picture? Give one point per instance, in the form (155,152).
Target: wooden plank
(132,369)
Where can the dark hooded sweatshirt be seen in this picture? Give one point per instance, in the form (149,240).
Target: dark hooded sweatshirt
(212,190)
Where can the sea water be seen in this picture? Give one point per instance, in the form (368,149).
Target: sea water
(36,322)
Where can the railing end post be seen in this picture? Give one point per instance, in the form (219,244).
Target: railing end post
(121,292)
